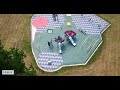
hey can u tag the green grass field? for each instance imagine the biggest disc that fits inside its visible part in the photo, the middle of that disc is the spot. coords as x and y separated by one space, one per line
15 32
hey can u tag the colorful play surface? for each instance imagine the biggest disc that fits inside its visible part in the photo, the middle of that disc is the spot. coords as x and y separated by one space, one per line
88 28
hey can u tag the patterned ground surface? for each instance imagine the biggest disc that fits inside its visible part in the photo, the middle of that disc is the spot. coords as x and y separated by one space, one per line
86 43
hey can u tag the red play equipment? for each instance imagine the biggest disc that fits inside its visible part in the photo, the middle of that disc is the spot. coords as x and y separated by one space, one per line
70 33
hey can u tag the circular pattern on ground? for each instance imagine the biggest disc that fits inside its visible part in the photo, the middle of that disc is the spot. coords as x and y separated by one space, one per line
40 22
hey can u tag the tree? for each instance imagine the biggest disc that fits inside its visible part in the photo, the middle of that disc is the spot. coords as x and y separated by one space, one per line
13 60
30 71
16 60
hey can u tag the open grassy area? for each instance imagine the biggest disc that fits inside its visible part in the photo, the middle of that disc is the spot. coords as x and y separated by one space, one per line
15 32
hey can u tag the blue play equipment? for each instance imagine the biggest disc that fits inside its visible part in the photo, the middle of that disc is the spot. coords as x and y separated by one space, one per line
72 41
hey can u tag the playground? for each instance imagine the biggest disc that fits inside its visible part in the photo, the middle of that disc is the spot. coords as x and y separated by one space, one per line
87 39
15 32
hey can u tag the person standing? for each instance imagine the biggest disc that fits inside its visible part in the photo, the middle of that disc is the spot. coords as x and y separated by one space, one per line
48 43
55 17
